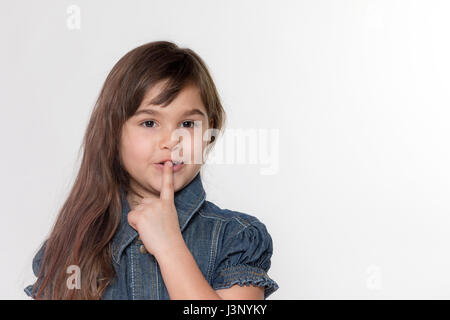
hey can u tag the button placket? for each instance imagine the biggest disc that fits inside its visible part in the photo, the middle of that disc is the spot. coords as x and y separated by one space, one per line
142 249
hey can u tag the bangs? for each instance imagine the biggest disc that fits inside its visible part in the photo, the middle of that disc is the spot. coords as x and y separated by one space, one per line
176 74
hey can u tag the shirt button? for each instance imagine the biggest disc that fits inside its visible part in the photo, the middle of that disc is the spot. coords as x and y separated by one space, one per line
142 249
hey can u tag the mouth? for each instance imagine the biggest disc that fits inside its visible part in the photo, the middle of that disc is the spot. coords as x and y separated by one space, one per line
177 165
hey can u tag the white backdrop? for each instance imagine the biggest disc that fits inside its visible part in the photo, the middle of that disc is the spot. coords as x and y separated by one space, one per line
358 91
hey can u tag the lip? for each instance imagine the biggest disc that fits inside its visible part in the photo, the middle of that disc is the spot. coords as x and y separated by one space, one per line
176 168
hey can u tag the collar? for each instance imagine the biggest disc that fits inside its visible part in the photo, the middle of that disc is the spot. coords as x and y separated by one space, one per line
187 201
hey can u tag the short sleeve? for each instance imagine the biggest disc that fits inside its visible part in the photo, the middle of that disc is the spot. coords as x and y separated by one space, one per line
244 259
36 265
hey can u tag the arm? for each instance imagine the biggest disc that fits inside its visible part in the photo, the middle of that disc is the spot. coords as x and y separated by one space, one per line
185 281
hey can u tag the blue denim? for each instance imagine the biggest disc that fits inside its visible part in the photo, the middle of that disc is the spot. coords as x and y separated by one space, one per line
229 247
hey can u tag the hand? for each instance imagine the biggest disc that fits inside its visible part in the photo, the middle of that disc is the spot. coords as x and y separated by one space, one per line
156 220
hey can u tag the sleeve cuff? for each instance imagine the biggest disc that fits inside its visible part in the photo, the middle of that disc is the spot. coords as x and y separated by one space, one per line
28 290
245 275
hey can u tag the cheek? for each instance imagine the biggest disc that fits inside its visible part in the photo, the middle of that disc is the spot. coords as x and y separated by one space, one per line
136 150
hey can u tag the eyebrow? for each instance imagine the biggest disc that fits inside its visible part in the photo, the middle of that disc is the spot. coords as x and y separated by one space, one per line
186 113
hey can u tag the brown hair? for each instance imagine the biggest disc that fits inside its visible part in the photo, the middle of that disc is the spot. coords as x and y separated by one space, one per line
89 217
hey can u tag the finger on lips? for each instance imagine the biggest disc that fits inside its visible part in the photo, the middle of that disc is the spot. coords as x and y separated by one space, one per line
167 182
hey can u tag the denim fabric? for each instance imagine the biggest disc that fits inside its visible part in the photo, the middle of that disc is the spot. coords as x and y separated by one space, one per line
229 247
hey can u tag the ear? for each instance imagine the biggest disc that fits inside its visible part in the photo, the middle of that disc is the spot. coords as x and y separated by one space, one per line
210 126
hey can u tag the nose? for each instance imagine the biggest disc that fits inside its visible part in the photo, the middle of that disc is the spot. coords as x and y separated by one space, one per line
168 140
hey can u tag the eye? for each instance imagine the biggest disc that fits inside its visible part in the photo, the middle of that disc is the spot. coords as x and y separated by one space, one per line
190 123
146 122
186 124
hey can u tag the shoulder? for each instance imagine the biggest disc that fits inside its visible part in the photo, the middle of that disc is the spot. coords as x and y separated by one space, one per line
234 221
235 224
36 264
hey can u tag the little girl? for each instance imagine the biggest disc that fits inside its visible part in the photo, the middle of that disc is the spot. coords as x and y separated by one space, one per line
136 224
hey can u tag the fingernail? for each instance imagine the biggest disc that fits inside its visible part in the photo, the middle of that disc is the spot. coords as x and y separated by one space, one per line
170 163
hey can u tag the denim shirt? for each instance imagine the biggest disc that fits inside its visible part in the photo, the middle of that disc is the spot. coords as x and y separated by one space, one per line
229 247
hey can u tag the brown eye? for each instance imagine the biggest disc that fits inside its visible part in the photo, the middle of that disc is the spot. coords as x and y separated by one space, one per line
146 122
191 124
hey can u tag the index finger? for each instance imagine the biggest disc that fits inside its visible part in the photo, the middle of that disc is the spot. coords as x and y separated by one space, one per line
167 182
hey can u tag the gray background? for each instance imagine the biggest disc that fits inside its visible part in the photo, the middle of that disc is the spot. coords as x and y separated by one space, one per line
357 89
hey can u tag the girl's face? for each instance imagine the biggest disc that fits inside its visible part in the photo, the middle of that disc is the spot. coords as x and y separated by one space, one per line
154 134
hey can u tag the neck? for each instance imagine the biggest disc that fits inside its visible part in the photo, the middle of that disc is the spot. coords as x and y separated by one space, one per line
133 201
134 198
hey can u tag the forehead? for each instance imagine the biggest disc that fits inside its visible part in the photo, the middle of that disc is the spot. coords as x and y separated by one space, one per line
187 99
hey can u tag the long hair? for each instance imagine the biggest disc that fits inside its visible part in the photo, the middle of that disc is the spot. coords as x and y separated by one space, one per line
89 217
